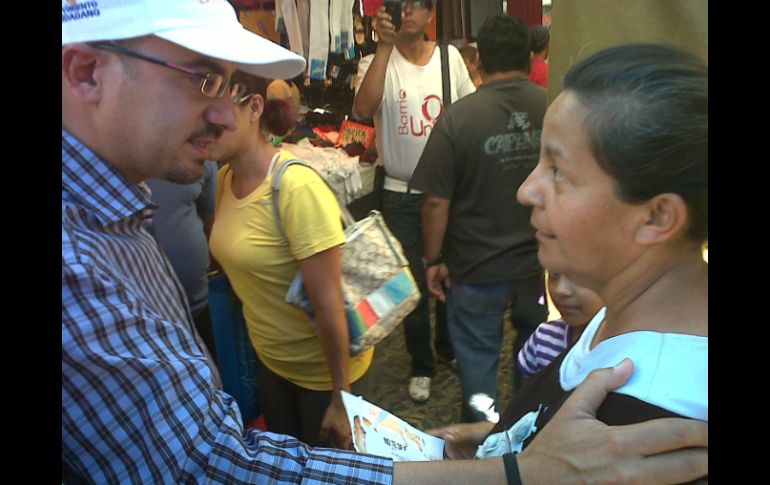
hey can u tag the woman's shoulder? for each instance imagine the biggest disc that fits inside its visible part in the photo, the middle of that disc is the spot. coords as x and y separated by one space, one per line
299 173
670 370
305 186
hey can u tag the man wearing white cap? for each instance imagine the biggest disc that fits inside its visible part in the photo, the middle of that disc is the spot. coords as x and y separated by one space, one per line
146 94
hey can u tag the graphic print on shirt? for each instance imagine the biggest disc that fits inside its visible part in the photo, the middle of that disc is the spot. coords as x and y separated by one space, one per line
409 124
515 147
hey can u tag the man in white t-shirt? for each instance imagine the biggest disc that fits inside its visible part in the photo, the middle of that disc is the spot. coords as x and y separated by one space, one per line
400 88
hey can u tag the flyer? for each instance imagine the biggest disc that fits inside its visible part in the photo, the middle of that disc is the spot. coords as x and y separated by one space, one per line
377 432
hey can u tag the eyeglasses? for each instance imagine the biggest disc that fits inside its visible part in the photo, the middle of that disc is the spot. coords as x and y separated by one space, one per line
416 3
242 98
213 85
238 93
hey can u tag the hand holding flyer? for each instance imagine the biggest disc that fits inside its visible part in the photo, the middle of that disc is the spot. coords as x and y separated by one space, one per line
377 432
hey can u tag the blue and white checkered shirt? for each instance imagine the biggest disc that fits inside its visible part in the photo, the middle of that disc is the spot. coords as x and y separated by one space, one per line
140 402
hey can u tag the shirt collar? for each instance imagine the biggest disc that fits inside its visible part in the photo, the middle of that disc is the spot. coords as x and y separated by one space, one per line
98 186
503 82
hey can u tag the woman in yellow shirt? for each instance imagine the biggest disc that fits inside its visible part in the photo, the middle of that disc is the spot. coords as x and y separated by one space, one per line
302 371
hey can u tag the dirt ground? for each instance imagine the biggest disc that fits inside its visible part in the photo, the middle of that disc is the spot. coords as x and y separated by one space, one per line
390 378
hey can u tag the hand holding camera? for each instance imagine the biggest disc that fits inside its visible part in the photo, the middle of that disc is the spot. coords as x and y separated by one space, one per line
388 22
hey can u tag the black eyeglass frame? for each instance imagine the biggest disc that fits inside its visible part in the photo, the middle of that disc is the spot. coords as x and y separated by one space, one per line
220 82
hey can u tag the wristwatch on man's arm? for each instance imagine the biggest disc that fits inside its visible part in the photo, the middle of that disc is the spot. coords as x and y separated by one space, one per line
427 263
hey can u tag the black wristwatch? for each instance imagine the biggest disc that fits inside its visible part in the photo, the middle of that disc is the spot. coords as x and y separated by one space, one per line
427 263
511 469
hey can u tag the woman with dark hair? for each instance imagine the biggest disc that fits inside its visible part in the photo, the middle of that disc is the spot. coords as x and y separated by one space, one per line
620 206
302 371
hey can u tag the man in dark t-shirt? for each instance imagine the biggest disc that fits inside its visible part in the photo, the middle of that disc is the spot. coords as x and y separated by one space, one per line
482 148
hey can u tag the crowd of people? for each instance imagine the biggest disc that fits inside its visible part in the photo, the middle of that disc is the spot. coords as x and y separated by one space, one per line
476 234
399 87
606 189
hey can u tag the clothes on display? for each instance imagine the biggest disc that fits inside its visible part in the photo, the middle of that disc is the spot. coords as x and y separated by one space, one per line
335 16
319 39
303 11
341 27
324 32
341 171
286 12
347 30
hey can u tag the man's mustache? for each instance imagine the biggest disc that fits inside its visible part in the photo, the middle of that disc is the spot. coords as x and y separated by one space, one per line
209 132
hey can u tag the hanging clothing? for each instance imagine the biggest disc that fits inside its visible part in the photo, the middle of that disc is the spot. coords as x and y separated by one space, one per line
347 30
303 12
319 39
335 17
341 27
286 11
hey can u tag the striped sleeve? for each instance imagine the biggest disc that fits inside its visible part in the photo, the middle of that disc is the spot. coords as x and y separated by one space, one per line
544 345
526 357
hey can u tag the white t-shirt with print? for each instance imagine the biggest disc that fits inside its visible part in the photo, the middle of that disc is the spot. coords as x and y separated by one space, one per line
411 103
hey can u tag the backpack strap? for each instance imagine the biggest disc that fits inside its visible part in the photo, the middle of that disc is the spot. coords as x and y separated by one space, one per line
445 80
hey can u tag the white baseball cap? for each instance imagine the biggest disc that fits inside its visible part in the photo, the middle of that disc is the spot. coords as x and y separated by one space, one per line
209 27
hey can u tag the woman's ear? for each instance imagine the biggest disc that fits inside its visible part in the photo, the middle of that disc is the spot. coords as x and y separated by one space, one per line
667 216
82 70
257 106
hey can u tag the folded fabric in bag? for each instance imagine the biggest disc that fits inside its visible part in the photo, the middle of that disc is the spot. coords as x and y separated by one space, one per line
378 288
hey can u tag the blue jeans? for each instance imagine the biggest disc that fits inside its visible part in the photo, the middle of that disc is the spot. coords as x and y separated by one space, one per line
475 314
402 215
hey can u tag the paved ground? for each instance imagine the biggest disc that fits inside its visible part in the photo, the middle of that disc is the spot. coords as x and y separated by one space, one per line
390 377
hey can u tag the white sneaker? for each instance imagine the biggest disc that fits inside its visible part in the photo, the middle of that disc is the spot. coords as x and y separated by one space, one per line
419 388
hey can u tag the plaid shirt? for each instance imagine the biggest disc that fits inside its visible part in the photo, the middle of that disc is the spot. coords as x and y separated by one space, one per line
140 401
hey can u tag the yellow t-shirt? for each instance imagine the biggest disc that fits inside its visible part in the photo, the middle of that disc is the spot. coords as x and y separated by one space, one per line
260 265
